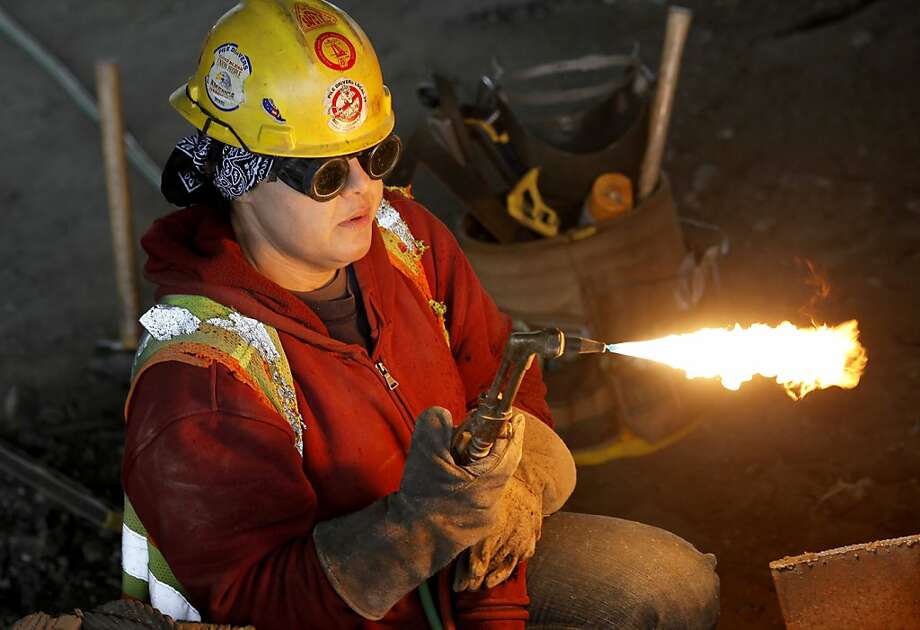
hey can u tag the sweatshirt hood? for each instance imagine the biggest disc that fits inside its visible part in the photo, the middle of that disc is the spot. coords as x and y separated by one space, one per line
194 251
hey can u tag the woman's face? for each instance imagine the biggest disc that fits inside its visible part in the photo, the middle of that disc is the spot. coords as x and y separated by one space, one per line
320 236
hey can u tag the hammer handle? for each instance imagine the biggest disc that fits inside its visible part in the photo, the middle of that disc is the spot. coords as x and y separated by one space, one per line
108 80
674 38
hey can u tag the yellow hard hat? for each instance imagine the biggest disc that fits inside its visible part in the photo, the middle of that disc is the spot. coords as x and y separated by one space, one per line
291 79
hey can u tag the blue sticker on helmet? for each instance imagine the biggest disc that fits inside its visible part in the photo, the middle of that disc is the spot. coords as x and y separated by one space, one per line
272 110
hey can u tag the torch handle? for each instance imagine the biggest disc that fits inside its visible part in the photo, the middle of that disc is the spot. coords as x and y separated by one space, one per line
474 438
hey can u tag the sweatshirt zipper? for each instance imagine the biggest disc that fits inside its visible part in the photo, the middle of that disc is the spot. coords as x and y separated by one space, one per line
392 383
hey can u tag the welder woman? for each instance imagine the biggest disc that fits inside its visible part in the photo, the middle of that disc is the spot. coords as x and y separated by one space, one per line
316 338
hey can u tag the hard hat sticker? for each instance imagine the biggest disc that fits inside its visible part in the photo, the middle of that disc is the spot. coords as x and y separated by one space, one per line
346 105
224 83
272 110
310 18
335 51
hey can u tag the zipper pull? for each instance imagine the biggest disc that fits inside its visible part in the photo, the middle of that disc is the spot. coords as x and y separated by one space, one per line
392 383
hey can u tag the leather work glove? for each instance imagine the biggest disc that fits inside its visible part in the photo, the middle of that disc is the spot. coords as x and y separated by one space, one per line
375 556
540 486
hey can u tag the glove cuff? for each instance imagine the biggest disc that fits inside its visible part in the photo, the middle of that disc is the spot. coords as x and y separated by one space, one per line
374 557
547 467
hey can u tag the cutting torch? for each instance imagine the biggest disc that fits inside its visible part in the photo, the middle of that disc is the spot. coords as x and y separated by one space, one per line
491 419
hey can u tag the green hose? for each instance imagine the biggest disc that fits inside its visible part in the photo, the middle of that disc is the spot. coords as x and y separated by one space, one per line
431 610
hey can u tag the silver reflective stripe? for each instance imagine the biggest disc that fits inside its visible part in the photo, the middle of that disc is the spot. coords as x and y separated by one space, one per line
164 322
252 331
170 602
133 553
389 218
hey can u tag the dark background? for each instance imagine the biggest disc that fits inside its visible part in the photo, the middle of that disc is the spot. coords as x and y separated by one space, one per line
795 130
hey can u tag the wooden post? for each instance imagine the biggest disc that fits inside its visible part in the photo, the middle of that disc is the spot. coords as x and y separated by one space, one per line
108 85
674 38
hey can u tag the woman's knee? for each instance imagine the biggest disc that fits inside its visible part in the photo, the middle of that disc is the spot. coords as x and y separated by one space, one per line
674 585
685 592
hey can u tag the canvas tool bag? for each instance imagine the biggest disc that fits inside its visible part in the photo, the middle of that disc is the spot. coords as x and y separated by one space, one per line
633 277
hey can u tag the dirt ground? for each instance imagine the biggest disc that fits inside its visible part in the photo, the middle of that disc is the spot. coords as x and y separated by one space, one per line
795 130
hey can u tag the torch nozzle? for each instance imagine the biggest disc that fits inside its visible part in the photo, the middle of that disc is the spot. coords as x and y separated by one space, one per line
581 345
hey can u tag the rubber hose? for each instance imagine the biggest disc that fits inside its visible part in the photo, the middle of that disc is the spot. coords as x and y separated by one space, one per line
444 592
428 605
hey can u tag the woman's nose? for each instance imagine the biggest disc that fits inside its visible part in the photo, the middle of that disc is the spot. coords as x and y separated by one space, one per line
358 180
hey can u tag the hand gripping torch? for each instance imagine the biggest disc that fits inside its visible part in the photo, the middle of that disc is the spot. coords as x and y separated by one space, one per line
491 419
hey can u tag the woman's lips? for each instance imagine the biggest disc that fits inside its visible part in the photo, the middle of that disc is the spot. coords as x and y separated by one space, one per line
357 220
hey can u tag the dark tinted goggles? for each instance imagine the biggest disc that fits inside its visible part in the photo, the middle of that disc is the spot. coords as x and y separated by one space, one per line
324 178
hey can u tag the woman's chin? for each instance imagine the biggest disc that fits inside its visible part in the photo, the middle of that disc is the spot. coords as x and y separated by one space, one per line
354 248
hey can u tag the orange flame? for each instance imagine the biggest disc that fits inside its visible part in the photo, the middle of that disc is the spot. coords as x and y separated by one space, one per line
819 284
800 359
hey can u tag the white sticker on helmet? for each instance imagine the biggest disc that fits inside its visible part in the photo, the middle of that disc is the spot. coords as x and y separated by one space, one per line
224 83
346 105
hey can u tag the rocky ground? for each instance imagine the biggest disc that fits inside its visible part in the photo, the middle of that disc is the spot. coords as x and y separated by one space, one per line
795 130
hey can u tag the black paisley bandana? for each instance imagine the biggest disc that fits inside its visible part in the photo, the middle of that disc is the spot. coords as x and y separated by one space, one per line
199 166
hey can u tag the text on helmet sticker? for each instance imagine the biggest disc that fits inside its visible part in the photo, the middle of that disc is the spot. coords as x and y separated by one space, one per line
346 105
224 83
335 51
272 110
310 18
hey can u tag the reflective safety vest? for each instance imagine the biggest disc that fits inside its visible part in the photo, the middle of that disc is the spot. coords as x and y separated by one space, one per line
197 330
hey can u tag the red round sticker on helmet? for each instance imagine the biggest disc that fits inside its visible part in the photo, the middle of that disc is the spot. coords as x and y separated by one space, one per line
335 51
347 105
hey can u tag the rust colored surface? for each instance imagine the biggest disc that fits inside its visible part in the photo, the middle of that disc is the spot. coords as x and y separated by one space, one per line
873 586
122 614
41 621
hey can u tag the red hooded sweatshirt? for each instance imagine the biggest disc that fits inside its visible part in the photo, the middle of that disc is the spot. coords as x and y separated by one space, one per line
212 472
